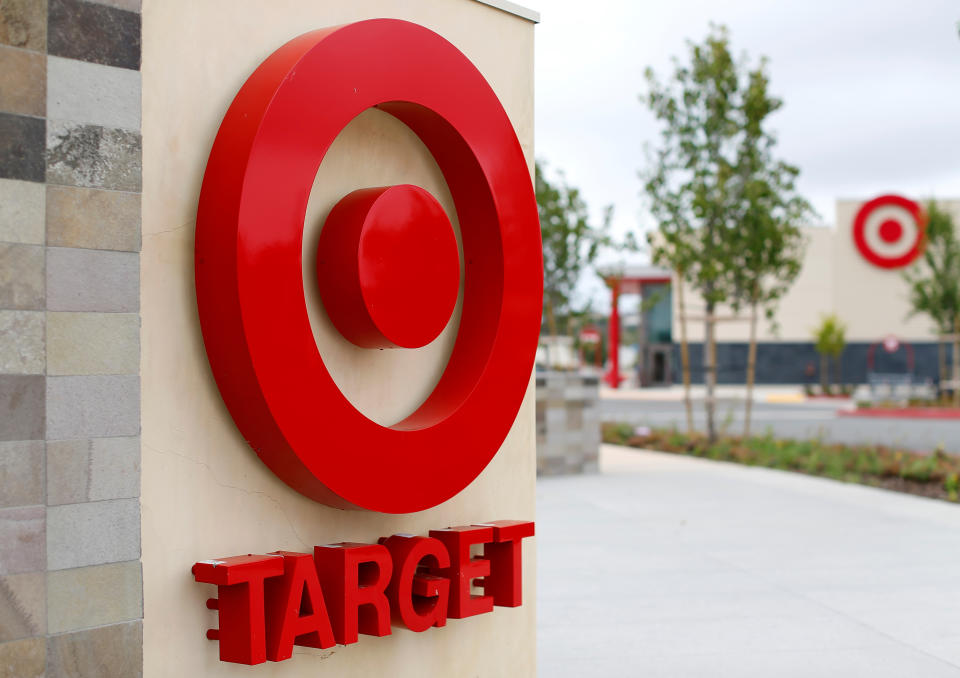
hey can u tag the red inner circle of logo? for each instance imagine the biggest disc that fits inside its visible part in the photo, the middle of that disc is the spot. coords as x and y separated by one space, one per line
890 231
388 267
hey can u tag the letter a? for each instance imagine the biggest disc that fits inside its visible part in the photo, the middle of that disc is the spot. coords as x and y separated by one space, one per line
296 613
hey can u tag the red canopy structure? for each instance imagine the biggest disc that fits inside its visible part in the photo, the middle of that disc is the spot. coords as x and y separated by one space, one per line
629 280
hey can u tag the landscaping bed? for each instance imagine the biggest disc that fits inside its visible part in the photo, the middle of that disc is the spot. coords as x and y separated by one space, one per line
935 475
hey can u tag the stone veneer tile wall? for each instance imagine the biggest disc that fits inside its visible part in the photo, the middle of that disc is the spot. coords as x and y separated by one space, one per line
568 423
70 577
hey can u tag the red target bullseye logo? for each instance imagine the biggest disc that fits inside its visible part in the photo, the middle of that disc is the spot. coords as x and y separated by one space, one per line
889 231
387 261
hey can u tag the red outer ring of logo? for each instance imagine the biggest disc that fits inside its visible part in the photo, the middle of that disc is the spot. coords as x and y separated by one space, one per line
860 224
249 266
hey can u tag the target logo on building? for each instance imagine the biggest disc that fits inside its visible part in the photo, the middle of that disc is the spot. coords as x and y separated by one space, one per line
388 266
889 231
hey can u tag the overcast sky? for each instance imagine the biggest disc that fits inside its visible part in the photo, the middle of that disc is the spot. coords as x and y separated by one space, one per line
871 91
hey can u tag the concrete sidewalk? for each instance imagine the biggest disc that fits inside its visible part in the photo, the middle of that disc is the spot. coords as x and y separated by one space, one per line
679 567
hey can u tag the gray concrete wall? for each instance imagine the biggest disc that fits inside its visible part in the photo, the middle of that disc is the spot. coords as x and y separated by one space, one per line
568 423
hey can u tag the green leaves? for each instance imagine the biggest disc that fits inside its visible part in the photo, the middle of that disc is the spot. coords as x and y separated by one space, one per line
935 278
727 210
570 244
830 336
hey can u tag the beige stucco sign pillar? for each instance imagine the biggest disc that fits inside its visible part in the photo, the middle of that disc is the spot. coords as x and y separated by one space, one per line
205 493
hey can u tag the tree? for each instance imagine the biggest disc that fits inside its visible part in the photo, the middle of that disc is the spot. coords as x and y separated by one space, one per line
768 249
829 340
689 184
716 190
673 247
935 285
570 244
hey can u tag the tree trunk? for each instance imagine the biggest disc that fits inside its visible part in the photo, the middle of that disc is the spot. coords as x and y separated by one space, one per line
956 361
710 371
751 370
684 353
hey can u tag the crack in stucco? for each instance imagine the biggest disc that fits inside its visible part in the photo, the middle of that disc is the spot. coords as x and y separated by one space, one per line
245 490
153 234
325 655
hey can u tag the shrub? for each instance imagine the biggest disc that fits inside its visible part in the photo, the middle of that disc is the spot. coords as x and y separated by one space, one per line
952 485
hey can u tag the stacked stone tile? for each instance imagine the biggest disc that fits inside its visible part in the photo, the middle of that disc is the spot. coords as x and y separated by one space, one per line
568 423
70 577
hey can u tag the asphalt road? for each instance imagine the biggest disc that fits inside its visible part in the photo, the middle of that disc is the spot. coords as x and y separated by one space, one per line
793 421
